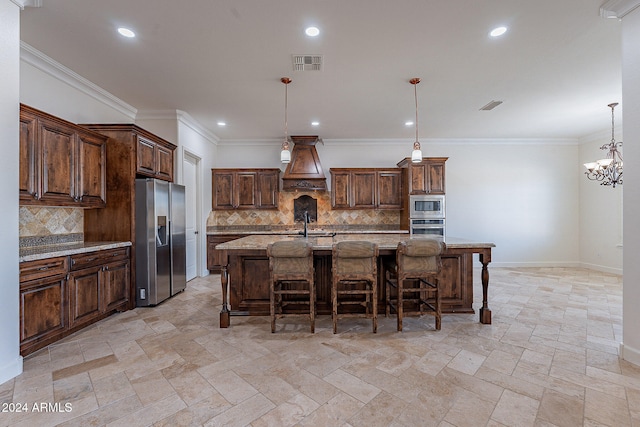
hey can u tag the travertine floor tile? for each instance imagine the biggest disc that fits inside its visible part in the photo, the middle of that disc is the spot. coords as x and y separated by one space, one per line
550 359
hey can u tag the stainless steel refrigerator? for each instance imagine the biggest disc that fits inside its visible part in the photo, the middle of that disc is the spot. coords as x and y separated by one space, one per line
160 241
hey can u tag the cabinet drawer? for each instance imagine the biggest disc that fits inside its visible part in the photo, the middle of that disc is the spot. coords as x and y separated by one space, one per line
90 259
31 270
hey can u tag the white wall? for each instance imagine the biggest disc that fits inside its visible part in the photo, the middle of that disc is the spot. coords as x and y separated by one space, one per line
600 208
10 360
201 145
521 195
630 348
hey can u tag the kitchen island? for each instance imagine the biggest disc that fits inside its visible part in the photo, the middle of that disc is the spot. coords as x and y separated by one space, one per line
245 276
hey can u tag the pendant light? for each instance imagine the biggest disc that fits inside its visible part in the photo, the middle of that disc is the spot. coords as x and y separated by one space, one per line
285 154
608 170
416 154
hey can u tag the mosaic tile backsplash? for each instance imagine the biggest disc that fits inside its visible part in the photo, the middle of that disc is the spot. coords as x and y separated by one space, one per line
284 214
46 221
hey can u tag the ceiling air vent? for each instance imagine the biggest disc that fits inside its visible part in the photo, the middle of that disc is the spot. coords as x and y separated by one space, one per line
307 62
490 106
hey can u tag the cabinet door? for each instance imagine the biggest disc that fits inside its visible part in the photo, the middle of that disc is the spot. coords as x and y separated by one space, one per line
116 286
389 190
92 173
418 178
42 310
29 162
84 295
164 163
268 189
364 189
146 160
340 189
223 190
246 190
435 177
58 162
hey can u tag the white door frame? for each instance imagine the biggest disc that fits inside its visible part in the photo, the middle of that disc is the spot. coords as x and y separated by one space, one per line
195 159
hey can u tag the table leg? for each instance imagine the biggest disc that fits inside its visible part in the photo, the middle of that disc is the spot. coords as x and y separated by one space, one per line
225 314
485 312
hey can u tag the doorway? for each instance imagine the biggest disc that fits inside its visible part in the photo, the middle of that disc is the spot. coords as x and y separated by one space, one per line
190 178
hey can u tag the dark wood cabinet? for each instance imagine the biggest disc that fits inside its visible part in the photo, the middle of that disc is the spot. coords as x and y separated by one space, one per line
154 158
214 256
61 164
366 188
131 152
43 302
245 188
425 177
84 295
60 295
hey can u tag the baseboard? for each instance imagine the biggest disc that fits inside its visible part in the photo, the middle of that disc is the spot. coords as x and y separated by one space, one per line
546 264
11 370
631 355
601 268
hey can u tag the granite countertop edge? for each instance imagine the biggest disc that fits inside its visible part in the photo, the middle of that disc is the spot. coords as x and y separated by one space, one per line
293 232
35 253
384 241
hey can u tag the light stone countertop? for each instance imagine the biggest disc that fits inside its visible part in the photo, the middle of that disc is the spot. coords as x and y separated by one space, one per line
34 253
296 231
384 241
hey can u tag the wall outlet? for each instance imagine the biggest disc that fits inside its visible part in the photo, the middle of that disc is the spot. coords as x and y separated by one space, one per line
143 294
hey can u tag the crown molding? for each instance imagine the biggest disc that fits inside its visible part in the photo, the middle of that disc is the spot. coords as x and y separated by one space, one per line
27 3
181 117
618 8
186 119
39 60
409 141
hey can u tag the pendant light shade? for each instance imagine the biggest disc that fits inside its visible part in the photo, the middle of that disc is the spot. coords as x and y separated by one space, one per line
285 154
416 154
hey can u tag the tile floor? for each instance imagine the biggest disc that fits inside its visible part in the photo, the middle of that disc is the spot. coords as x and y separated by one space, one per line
550 358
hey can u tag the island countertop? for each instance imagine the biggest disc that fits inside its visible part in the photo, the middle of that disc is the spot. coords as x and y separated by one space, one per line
384 241
245 272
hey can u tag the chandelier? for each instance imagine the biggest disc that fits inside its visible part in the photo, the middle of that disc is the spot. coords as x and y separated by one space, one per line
285 154
416 154
608 170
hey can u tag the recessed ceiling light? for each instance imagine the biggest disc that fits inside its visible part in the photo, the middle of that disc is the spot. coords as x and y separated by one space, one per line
498 31
408 123
126 32
312 31
222 124
315 123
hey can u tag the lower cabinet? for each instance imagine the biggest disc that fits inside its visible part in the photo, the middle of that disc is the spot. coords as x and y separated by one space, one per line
60 295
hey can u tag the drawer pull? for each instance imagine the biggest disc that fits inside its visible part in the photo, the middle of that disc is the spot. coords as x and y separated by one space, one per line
43 268
91 259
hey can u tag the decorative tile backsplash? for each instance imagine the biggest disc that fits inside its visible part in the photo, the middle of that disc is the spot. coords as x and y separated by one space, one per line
285 212
45 221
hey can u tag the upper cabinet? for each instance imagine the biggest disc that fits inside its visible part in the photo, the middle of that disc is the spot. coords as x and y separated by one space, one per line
61 164
153 155
154 159
425 177
245 188
366 188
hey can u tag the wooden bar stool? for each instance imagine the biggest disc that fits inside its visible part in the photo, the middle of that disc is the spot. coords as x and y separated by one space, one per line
354 280
291 280
414 277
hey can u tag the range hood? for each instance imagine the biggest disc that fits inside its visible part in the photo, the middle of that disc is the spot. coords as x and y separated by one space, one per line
304 172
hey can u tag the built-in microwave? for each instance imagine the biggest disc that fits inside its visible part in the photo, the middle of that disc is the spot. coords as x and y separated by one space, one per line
426 206
428 226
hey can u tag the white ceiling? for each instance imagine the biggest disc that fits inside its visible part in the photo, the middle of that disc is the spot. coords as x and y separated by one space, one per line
556 69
